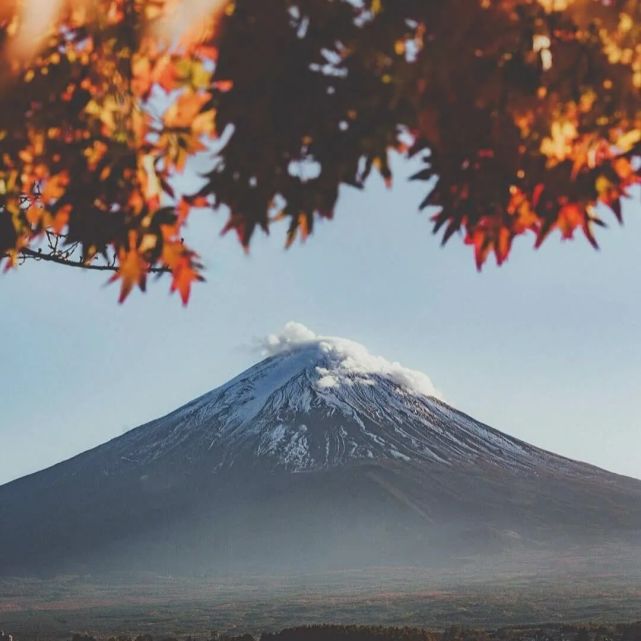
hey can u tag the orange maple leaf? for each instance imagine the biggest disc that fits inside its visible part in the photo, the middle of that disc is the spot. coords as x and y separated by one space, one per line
569 218
132 271
184 274
184 111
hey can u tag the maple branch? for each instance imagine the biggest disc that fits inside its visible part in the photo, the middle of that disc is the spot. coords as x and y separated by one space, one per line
54 258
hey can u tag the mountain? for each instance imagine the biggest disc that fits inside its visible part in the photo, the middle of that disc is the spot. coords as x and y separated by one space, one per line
320 456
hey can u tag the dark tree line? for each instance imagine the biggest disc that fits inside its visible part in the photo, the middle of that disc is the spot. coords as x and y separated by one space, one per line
590 632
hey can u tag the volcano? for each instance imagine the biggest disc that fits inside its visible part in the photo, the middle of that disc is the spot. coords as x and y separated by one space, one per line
320 456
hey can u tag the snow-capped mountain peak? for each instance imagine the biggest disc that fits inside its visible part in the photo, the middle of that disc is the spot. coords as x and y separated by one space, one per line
317 402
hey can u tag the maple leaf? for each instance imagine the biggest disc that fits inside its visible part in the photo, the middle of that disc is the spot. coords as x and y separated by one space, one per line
183 275
132 271
183 112
570 217
489 236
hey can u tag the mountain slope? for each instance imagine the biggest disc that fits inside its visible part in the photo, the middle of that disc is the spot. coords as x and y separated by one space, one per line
318 456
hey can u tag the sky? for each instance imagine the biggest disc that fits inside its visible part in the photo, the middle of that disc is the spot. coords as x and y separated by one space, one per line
546 348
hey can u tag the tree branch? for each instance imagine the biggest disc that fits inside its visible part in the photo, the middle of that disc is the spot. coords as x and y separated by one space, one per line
53 258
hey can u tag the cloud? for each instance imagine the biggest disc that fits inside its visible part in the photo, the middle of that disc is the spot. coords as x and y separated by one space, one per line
344 361
292 334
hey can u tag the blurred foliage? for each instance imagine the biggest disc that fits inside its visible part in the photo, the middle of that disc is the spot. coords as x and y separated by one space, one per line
525 115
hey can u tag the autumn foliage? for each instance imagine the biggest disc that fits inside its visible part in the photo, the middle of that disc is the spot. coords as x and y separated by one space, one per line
526 116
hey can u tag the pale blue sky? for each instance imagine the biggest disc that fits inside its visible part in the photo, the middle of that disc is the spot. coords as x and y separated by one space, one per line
547 348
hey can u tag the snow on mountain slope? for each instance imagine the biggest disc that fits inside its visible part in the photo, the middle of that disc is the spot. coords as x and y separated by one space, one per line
317 402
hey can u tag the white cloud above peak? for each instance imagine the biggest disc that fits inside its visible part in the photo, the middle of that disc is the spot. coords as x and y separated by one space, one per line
345 360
